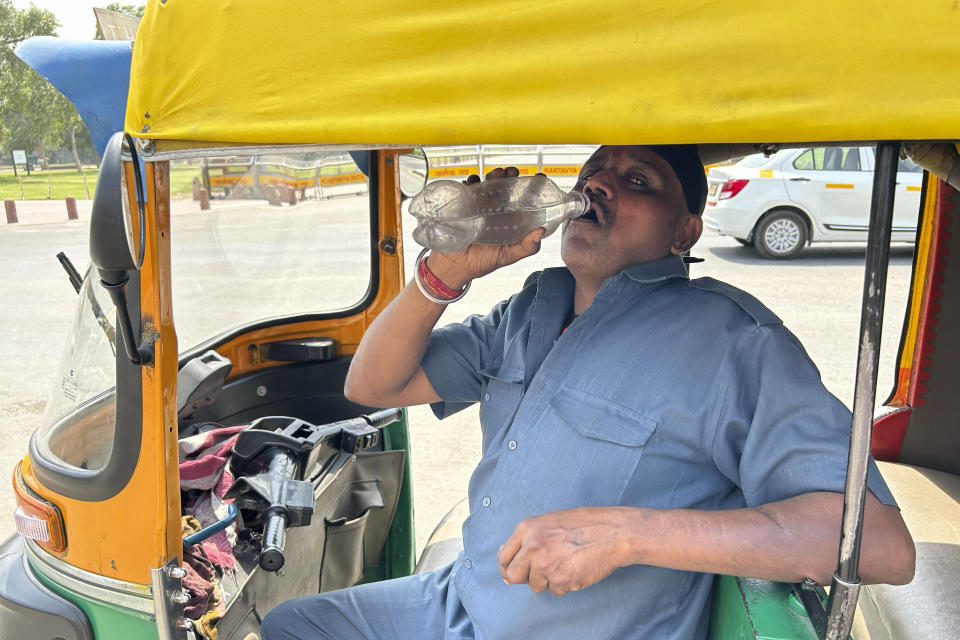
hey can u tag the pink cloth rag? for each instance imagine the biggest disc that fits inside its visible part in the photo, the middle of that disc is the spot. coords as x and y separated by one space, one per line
203 468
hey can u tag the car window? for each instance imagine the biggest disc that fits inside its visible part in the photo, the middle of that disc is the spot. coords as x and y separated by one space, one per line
829 159
804 161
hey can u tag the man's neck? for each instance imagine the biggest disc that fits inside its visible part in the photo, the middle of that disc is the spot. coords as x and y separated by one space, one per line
583 295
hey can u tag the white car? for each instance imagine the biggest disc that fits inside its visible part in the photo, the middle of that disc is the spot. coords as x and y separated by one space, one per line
780 203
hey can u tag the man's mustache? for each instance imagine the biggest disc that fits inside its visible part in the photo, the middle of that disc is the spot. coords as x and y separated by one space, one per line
607 214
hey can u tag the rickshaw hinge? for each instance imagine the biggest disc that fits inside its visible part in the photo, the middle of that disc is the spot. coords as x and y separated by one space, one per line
165 582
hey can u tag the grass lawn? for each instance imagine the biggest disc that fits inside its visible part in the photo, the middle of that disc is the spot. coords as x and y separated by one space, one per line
181 179
54 184
57 184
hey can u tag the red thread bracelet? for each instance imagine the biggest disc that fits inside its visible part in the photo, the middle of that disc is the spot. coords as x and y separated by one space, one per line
432 286
434 282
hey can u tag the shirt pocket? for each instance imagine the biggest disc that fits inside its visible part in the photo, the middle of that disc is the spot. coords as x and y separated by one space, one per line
501 393
586 450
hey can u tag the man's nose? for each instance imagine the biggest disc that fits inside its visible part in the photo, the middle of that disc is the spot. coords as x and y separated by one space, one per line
599 185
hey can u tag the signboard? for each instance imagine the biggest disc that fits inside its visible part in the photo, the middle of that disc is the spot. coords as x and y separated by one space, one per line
19 156
116 26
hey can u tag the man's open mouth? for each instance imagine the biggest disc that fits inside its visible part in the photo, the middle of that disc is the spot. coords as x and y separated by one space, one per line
592 215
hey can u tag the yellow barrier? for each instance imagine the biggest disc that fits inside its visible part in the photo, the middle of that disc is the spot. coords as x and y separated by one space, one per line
525 170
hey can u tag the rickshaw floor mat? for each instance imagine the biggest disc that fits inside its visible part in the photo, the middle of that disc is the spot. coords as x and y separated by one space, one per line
928 607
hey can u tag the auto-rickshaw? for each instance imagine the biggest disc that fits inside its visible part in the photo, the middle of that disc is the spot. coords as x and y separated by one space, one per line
320 497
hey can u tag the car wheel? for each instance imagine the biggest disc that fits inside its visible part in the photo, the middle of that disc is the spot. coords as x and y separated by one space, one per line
782 234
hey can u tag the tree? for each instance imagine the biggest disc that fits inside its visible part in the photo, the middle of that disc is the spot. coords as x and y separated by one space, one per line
132 10
18 84
34 115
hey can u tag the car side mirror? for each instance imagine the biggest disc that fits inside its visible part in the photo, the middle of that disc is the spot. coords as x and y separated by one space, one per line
413 169
112 248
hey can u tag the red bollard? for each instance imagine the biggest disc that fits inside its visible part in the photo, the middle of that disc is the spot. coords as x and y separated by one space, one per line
72 208
204 200
11 208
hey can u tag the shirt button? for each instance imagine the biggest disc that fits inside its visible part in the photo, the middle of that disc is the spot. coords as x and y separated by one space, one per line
485 502
487 397
468 564
512 445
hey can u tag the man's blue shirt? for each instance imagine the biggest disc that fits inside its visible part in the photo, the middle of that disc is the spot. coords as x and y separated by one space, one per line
665 393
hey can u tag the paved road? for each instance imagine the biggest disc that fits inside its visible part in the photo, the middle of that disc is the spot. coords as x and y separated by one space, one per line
817 295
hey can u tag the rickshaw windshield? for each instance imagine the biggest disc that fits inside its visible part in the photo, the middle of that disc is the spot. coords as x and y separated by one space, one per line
284 235
78 425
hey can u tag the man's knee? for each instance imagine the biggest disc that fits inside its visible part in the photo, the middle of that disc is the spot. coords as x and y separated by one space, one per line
300 619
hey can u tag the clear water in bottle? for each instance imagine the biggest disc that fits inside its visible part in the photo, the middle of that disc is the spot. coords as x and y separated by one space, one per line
452 215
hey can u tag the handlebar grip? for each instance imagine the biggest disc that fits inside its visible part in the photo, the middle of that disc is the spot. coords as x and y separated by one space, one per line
382 418
274 537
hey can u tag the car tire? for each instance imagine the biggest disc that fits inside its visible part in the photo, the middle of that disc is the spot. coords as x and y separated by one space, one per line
781 234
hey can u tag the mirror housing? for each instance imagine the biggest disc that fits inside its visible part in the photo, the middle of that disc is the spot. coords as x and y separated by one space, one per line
112 248
413 170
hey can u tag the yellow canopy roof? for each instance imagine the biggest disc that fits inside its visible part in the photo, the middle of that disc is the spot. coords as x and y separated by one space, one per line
560 71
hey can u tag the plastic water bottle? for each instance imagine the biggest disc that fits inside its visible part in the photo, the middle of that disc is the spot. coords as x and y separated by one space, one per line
452 215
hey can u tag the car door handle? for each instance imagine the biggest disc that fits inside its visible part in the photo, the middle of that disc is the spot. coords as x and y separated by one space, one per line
799 179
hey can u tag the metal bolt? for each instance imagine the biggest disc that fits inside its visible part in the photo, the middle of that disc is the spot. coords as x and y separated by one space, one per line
389 245
177 573
180 597
146 146
261 391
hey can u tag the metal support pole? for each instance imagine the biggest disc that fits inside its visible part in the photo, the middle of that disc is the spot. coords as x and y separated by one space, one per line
846 581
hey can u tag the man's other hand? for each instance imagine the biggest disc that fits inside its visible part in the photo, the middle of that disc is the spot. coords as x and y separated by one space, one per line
563 551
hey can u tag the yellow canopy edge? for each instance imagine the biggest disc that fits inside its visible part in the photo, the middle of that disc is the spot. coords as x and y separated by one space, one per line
560 71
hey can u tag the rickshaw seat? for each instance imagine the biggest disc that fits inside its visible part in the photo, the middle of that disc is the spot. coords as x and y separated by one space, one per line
928 607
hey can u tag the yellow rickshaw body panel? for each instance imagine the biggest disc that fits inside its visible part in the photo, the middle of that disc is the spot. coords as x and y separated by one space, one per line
567 71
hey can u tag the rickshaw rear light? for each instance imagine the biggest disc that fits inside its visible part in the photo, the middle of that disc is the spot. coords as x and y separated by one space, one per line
36 518
731 188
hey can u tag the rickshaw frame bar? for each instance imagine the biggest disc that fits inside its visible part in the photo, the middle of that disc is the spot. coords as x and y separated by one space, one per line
845 587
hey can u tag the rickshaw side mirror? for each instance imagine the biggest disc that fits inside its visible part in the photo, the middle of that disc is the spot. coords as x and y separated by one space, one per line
112 247
413 169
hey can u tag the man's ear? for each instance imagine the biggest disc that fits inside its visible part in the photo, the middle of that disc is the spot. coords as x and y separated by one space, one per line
687 234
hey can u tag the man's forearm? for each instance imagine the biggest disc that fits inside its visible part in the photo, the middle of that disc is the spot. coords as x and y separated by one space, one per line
787 541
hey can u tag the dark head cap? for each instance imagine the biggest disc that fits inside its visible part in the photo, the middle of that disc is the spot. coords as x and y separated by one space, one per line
686 164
